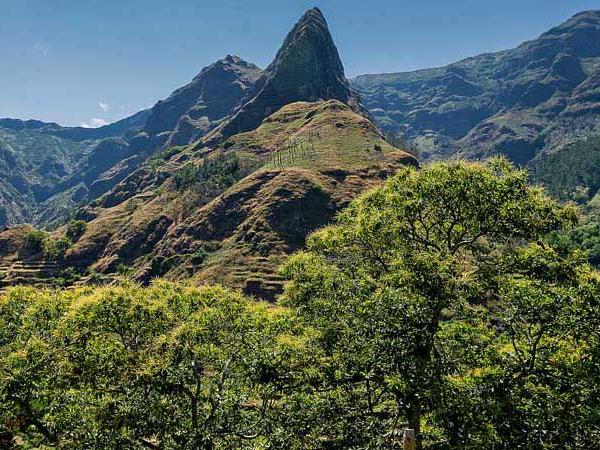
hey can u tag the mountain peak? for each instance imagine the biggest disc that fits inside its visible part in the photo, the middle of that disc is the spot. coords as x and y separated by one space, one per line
584 22
193 109
307 67
589 15
311 33
313 16
234 60
315 11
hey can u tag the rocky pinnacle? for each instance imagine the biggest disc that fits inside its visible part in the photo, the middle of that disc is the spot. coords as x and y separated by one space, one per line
307 67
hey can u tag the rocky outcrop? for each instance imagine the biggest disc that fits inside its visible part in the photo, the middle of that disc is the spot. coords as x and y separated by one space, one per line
307 67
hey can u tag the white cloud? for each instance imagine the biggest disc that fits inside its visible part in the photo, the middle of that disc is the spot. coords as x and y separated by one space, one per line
103 106
94 123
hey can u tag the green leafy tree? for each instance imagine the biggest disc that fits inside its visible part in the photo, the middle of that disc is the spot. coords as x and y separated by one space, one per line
34 242
75 229
382 284
435 302
523 365
129 367
54 250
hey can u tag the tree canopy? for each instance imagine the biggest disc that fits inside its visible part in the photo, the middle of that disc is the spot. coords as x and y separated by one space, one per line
441 308
435 302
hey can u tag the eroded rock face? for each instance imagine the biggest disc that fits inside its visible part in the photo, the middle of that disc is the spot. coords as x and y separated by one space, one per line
307 67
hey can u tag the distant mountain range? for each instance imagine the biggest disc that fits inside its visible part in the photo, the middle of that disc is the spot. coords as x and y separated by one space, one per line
223 179
523 102
519 102
44 167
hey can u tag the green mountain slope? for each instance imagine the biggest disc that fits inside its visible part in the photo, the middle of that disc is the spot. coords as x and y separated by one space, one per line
49 170
31 165
573 172
232 213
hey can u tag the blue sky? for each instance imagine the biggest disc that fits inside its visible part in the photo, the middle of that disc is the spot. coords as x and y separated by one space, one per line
93 61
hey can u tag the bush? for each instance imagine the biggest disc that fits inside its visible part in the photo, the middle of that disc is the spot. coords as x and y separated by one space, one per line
215 173
54 250
199 256
76 229
34 242
39 242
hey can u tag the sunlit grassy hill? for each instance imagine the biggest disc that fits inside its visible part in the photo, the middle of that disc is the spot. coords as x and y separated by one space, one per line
230 214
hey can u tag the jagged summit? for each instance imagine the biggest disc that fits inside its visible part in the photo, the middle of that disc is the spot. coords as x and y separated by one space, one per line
312 26
307 67
234 59
191 110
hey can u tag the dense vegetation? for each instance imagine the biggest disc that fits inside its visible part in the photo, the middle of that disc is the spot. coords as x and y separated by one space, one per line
434 302
585 236
218 172
573 173
38 243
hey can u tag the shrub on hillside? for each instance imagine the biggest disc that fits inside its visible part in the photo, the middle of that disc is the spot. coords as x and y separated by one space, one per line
34 242
75 229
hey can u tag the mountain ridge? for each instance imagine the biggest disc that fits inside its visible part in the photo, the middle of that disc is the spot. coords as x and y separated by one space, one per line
99 158
521 102
514 101
231 211
78 133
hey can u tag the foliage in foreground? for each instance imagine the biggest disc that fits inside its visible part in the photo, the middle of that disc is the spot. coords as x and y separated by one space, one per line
586 236
438 305
434 302
130 367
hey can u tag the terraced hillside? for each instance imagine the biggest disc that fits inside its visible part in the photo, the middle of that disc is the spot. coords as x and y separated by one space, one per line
19 265
231 214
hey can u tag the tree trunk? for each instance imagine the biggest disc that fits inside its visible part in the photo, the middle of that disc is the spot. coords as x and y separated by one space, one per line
409 440
414 421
